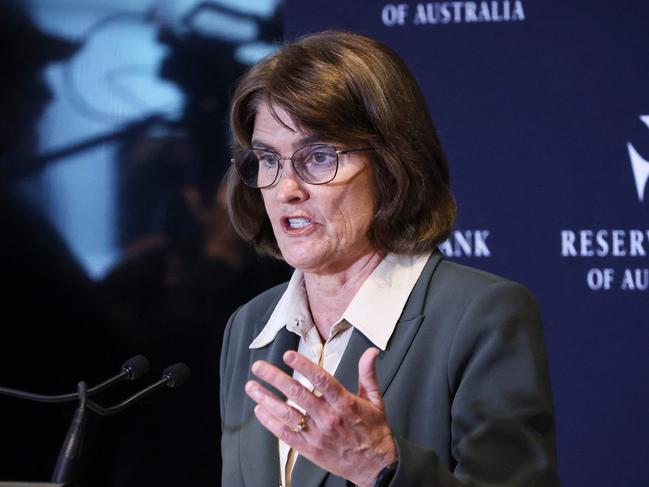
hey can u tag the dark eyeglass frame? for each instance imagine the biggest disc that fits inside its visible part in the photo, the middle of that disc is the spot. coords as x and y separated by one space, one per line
338 152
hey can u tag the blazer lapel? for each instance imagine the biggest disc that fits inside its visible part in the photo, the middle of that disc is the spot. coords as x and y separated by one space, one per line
259 452
306 473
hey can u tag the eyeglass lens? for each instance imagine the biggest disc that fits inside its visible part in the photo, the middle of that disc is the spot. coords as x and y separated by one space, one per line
314 164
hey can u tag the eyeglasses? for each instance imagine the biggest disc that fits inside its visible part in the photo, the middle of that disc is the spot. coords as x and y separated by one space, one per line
314 164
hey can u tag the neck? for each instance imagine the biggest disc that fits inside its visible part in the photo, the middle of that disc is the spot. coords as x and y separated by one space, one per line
330 294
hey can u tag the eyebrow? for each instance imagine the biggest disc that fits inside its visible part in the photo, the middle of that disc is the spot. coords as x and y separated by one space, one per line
309 139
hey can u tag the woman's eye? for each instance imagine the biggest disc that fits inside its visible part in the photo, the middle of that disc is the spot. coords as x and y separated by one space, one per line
322 158
267 160
319 157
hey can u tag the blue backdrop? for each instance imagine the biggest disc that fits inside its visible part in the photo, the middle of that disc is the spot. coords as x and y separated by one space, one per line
543 110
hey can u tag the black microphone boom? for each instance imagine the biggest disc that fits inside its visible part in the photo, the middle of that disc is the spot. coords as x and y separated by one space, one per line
173 376
132 369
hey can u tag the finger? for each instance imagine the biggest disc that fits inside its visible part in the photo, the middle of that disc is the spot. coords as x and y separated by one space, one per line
294 439
325 383
368 384
288 386
280 409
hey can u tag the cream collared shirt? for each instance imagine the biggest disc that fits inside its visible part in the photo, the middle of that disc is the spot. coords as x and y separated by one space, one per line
374 312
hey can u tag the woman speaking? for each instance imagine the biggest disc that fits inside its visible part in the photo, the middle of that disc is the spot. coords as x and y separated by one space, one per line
378 363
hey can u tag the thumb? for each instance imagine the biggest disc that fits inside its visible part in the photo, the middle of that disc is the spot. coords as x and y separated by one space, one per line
368 386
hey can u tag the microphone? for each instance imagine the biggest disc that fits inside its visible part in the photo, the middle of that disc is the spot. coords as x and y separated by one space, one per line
173 376
132 369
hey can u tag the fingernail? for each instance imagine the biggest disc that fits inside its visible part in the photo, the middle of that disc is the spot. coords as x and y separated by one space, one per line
256 367
289 357
252 390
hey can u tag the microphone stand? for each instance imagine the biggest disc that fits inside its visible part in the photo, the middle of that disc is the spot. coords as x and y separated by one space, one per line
68 460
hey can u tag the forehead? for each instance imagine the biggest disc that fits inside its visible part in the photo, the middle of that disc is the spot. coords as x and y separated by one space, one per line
274 128
273 122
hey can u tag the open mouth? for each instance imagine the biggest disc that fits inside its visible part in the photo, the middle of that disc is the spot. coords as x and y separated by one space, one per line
296 223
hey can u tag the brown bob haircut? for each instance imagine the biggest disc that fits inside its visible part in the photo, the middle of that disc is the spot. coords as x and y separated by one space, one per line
350 89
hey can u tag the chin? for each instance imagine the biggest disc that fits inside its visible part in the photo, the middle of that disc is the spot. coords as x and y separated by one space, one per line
301 263
304 259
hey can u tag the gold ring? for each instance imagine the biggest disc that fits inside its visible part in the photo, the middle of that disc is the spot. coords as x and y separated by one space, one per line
300 426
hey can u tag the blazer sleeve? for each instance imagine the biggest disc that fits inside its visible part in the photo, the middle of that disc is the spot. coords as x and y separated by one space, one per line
502 427
224 375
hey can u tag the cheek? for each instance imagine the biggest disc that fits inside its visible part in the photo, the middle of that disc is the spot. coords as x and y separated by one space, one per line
354 214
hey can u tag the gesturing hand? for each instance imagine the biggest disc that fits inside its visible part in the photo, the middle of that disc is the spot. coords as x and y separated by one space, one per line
346 434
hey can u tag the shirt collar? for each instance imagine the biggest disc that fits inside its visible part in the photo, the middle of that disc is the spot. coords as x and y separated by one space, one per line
374 311
379 302
291 312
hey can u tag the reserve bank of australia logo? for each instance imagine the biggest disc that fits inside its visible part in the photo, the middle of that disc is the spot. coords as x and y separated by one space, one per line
639 165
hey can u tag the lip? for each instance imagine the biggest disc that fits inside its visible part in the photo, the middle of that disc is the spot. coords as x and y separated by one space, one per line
302 231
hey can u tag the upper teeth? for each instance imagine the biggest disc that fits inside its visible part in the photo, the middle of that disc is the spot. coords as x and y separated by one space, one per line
298 222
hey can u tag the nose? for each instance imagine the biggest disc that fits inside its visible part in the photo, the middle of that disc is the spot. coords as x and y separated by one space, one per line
290 188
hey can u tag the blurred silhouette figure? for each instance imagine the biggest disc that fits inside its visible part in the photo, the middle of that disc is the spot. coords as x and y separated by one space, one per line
55 328
184 269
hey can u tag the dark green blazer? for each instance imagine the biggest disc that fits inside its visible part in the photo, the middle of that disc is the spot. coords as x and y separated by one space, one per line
464 378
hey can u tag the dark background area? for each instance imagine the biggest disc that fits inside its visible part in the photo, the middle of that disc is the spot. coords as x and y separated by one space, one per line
178 270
